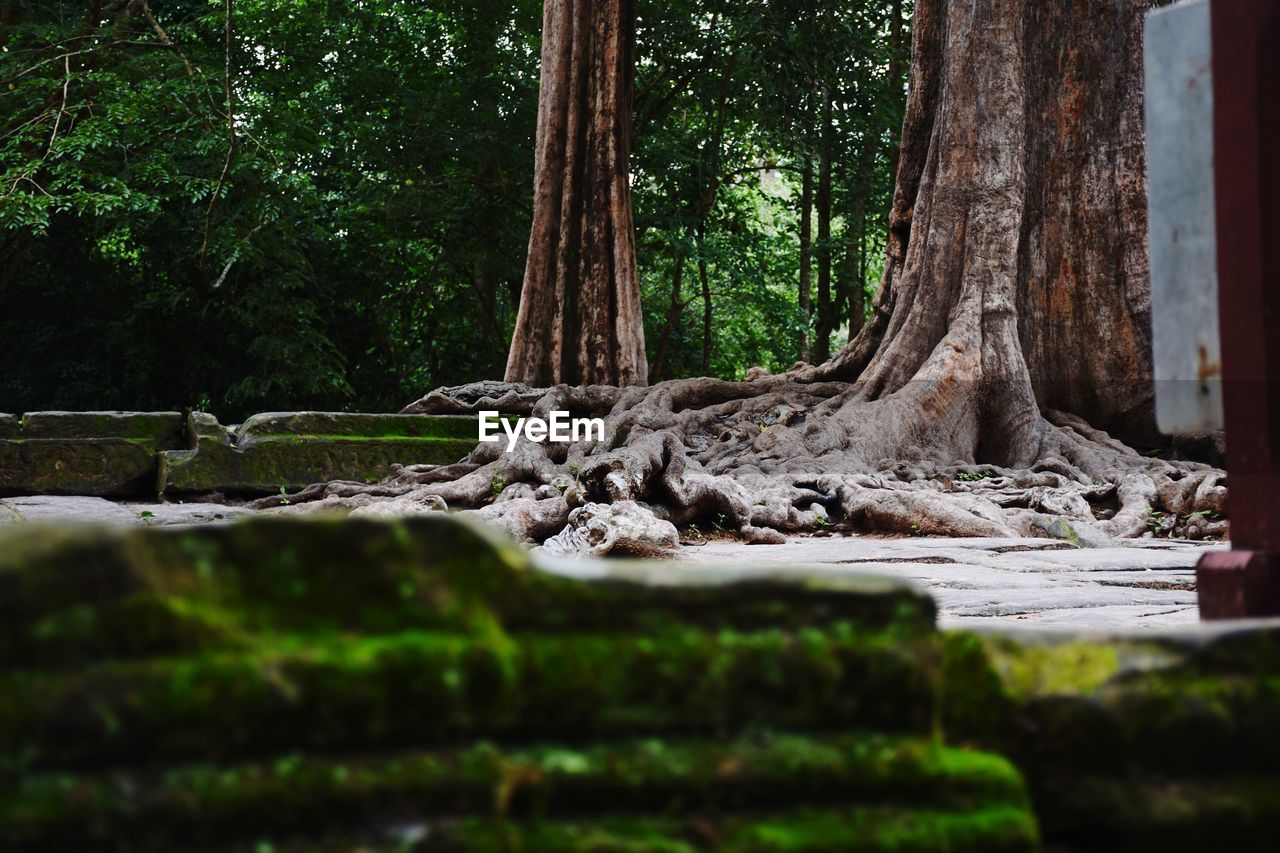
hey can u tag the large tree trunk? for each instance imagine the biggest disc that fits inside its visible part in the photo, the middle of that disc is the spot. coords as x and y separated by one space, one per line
580 320
1017 249
1011 320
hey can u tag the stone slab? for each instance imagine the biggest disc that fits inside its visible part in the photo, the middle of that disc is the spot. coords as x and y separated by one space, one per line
290 463
10 426
76 509
1142 585
362 426
100 466
162 429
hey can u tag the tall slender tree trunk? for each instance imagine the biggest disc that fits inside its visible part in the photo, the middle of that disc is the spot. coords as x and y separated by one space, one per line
895 73
580 320
674 310
855 299
857 230
705 281
826 311
806 240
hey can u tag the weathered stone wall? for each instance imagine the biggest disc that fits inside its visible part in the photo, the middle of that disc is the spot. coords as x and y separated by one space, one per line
117 454
327 685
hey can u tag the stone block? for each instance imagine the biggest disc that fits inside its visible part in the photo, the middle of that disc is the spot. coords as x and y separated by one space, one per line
162 430
103 466
354 425
86 453
1161 742
275 451
10 426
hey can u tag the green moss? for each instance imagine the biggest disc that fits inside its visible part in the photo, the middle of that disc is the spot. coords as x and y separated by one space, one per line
1032 670
860 829
269 576
307 693
648 776
927 784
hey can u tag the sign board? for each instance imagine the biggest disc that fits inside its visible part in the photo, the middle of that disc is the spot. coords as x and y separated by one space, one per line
1180 218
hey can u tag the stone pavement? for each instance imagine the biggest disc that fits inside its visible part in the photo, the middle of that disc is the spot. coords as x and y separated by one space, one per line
102 511
997 583
1009 583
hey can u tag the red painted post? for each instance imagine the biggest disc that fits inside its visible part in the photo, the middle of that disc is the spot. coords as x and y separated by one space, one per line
1246 138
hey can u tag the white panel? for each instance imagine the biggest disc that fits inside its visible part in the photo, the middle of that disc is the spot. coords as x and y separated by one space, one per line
1184 276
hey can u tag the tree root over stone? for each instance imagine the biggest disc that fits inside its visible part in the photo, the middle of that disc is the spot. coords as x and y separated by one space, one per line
775 455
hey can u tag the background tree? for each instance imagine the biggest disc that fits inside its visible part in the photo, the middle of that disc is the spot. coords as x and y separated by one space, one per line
374 221
580 318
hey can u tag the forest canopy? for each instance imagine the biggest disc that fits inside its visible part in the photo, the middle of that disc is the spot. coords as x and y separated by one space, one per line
234 205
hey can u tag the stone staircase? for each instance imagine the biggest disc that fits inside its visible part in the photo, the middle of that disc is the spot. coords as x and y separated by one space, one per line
338 685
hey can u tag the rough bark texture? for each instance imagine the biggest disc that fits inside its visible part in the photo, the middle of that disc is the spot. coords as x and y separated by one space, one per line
580 320
1012 317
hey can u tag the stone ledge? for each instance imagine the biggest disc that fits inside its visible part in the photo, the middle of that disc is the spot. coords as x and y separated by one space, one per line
85 453
163 429
120 454
289 450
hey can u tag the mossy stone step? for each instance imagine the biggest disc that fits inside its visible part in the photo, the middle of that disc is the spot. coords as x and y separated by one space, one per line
73 597
297 793
305 664
423 688
161 430
271 425
1168 743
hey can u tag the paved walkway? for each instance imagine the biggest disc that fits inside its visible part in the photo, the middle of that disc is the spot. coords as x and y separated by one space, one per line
1006 583
997 583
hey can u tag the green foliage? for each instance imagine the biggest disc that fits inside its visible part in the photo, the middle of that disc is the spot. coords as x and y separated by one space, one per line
311 204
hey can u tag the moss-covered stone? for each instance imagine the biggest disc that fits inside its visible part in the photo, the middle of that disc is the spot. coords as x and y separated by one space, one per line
650 776
85 453
287 451
378 692
162 430
92 595
137 453
868 828
105 466
351 425
655 708
1156 743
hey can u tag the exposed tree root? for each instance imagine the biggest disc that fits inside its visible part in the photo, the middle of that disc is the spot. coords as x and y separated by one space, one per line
781 454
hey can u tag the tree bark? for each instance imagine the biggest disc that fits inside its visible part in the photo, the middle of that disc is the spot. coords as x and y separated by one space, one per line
806 239
1017 248
826 311
705 280
580 319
